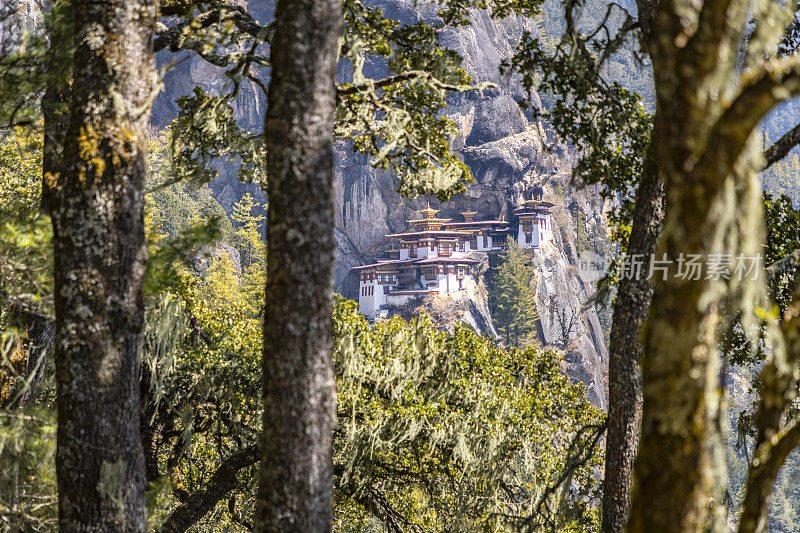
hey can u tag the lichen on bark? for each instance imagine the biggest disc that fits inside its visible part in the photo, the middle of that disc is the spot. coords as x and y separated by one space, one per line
96 203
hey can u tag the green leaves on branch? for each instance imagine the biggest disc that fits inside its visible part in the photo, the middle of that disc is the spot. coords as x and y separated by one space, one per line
205 135
398 125
26 281
448 432
35 53
396 120
436 431
418 408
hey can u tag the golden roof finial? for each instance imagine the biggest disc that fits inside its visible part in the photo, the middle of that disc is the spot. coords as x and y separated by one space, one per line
428 212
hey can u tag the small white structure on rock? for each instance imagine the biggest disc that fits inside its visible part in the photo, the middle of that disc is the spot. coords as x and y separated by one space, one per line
433 258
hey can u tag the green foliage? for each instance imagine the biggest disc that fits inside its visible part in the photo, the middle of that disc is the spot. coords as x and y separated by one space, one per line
221 285
33 54
203 365
173 209
418 409
27 476
782 222
581 231
181 219
782 240
20 173
25 233
437 432
590 107
253 252
247 235
27 439
606 120
396 120
206 134
513 297
448 432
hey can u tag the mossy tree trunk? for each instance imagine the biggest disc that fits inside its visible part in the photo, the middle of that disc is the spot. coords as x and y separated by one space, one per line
296 475
97 208
706 112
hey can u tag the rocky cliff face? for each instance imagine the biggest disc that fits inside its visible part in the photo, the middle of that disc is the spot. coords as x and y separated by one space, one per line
509 157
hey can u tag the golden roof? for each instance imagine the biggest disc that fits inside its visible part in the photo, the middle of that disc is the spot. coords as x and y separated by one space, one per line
428 212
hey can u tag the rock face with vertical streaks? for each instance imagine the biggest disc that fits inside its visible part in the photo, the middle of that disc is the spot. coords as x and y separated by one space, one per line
510 156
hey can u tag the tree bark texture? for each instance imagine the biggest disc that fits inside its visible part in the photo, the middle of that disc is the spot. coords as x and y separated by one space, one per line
631 309
782 147
705 155
296 480
97 208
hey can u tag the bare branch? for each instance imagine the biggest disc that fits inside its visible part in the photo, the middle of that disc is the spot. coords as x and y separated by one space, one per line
782 147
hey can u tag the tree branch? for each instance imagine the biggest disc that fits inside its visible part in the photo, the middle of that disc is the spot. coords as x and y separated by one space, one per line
367 85
221 483
768 459
762 90
773 443
782 147
719 24
782 266
220 13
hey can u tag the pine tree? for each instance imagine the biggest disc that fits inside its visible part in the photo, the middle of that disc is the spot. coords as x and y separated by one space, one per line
253 250
247 236
514 302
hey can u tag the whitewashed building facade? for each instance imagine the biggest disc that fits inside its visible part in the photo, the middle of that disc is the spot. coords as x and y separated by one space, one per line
433 258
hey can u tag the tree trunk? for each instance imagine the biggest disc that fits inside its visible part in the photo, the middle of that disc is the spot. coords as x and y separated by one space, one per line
631 309
296 480
704 155
97 209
